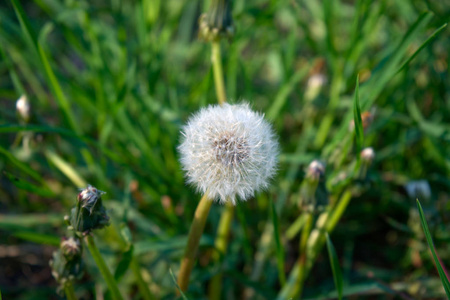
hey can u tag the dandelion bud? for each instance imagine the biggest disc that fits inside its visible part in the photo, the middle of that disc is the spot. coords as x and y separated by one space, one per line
89 213
23 108
228 151
308 200
71 248
367 155
66 262
316 169
217 22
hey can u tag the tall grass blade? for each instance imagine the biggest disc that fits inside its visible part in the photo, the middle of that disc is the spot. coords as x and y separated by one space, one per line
424 44
442 275
279 246
334 262
52 81
176 284
359 131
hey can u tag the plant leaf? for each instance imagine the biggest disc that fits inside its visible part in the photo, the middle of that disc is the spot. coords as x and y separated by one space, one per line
280 250
439 267
359 131
334 262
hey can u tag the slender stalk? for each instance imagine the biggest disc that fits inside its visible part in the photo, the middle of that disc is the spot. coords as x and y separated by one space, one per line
110 281
195 233
303 256
216 60
69 291
326 222
221 243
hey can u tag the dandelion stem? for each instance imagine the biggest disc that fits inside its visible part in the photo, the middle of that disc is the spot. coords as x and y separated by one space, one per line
216 60
110 281
195 233
326 222
221 243
69 291
303 255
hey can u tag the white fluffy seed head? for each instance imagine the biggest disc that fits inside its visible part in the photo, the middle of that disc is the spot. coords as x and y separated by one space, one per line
228 151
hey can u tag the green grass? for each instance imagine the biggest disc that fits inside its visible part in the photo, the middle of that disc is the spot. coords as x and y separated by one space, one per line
110 84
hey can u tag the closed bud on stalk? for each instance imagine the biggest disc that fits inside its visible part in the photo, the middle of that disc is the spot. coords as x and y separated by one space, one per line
316 170
66 262
367 156
314 174
217 23
71 248
89 213
228 151
23 108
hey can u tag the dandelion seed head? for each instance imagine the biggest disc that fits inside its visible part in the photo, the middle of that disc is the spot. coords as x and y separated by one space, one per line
228 151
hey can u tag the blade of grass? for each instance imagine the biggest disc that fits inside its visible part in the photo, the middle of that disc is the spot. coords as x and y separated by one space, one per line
442 275
52 81
279 246
28 186
424 44
359 132
334 262
65 168
176 284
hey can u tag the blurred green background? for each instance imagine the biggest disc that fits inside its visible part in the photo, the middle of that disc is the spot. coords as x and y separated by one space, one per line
110 84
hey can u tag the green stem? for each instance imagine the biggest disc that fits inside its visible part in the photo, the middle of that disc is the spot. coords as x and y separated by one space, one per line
195 233
326 222
216 60
69 291
110 281
303 256
221 243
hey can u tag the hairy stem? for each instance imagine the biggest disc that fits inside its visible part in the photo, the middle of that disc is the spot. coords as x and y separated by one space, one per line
106 273
216 60
195 233
302 259
221 243
69 291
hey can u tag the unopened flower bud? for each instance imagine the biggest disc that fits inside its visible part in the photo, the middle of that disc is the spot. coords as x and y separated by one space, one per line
66 262
367 155
70 248
23 108
308 198
89 197
89 213
217 22
316 170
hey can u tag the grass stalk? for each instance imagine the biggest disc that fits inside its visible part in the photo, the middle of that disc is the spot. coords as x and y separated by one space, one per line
69 291
221 244
303 256
195 233
106 273
216 60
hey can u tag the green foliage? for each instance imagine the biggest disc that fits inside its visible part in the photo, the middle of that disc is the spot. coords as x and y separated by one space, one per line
111 83
334 262
442 274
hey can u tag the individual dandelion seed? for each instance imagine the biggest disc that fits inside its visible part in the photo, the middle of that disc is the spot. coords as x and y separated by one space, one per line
228 151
